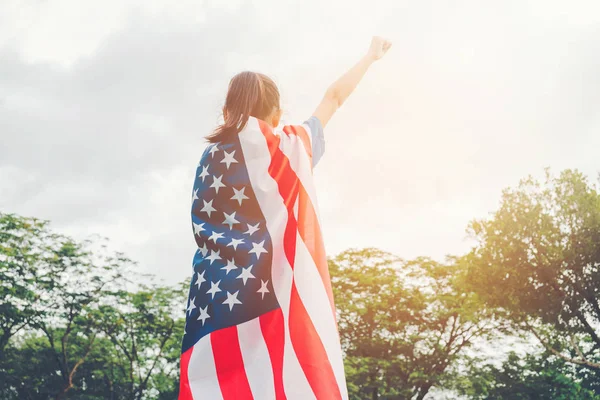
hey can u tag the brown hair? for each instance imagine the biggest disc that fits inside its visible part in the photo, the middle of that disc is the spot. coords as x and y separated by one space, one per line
249 94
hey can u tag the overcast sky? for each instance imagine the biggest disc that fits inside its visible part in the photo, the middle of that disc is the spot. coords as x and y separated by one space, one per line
104 106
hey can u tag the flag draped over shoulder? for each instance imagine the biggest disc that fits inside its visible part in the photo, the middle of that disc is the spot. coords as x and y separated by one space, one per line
260 319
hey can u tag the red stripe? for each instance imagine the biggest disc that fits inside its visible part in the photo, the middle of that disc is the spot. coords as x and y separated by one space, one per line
185 392
305 339
311 351
230 364
271 325
310 232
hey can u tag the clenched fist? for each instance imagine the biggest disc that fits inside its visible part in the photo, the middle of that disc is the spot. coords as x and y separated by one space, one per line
379 46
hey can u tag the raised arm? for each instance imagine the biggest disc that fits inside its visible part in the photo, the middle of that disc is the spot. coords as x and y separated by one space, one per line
339 91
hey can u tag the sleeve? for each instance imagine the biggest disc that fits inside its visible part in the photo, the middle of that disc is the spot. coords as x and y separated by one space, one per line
317 138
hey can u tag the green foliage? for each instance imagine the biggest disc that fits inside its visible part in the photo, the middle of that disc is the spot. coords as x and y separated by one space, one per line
540 377
402 324
32 260
71 329
28 370
538 260
147 339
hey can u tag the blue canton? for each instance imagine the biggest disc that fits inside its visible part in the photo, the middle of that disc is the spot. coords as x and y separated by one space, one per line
231 283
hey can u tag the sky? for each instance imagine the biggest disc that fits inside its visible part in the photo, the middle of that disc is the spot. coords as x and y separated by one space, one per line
104 107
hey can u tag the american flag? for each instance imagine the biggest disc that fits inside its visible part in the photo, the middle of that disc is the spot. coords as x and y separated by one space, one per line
260 317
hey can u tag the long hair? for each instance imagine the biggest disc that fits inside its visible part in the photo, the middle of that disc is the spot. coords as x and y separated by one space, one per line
249 94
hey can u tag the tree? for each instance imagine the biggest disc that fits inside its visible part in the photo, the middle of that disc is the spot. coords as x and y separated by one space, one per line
87 336
28 370
532 377
31 259
67 313
538 260
147 338
402 324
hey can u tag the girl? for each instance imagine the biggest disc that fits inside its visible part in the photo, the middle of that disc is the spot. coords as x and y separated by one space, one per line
260 318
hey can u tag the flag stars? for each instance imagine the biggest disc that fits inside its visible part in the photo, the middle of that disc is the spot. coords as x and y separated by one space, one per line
195 195
228 159
214 289
246 274
232 300
208 208
217 184
198 228
203 250
191 306
230 266
200 279
204 172
263 288
230 220
214 255
215 236
239 195
235 242
213 150
203 314
252 229
258 249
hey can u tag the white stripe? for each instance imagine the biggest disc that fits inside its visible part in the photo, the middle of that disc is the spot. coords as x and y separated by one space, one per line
258 159
294 150
314 297
256 360
202 373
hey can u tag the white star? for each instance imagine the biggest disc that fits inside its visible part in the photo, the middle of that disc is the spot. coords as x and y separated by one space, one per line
235 242
252 228
217 183
214 288
230 265
198 228
258 248
208 208
214 255
203 314
230 220
232 300
204 172
239 195
228 159
191 306
246 274
200 279
204 250
215 236
195 196
263 288
212 151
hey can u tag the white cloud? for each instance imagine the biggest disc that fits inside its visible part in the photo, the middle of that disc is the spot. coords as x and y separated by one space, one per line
103 109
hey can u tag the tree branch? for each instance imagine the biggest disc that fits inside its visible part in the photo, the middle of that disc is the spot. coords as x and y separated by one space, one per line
581 361
166 337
